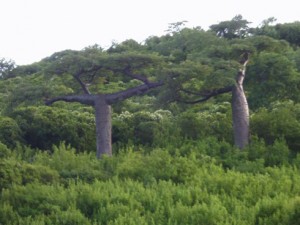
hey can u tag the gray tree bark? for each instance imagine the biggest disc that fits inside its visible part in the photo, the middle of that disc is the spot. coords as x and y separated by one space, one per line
103 126
240 111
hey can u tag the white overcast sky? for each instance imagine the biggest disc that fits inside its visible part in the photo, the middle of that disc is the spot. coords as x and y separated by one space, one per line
34 29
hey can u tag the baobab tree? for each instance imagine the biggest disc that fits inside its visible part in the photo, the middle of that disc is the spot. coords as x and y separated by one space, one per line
239 104
107 68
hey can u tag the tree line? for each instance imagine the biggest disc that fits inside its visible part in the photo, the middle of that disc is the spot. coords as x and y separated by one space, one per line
185 67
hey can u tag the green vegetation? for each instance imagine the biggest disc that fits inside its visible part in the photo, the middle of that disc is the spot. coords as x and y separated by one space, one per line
172 162
175 185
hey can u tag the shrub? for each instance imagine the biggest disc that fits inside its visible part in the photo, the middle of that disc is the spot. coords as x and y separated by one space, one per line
38 173
183 186
37 199
143 128
4 151
7 214
45 126
190 126
277 154
281 121
69 217
10 132
213 122
278 210
10 173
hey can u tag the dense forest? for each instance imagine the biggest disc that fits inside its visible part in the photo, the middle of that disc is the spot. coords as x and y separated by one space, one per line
192 127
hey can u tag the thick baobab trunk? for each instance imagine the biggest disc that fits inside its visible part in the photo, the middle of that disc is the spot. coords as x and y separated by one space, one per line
103 126
240 111
240 117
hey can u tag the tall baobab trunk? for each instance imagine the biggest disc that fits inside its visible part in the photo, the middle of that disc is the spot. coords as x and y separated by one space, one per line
103 126
240 110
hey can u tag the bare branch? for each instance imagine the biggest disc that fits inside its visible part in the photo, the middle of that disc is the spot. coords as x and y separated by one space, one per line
135 76
121 95
209 95
196 101
202 93
84 87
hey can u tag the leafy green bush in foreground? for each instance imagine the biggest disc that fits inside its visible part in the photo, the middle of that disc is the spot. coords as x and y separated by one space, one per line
171 186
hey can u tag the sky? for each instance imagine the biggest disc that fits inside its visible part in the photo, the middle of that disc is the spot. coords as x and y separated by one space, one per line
34 29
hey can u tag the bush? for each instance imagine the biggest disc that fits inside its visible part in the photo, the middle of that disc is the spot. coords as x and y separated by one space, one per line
71 166
278 210
190 126
215 122
38 173
12 172
4 151
162 186
143 128
45 126
10 132
282 120
277 154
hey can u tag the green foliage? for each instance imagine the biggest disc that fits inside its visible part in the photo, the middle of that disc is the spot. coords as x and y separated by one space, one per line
146 188
10 132
4 151
125 46
289 32
286 31
30 90
280 121
235 28
143 127
45 126
268 44
68 164
274 76
277 154
15 173
6 67
266 28
9 174
27 70
213 122
278 210
190 126
103 72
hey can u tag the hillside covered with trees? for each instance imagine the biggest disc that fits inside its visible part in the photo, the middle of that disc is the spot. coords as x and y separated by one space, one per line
192 127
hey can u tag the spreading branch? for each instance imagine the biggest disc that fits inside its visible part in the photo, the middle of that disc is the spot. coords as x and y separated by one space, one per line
77 76
90 99
202 93
129 73
209 95
83 85
83 99
121 95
